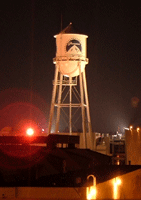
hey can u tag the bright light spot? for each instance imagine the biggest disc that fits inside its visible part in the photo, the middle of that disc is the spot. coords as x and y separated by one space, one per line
118 162
43 129
91 193
131 127
30 131
138 129
117 182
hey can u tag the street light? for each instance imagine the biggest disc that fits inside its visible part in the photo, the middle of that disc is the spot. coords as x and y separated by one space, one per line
91 191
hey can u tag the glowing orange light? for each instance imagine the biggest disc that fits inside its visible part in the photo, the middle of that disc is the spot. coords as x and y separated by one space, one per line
138 129
117 182
91 193
131 127
30 131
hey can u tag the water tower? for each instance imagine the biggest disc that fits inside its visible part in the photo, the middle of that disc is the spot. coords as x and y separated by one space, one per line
70 97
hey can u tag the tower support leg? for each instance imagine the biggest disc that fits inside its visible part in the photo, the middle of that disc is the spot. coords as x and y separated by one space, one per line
53 98
88 111
63 96
82 107
58 104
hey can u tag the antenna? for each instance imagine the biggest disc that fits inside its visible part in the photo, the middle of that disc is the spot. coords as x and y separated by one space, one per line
61 21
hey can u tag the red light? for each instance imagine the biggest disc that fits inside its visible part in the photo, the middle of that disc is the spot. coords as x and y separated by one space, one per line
30 131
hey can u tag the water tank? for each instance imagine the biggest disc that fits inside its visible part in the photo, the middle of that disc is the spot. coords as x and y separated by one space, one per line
71 51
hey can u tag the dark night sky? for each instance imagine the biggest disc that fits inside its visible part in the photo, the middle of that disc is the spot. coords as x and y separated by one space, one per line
27 48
